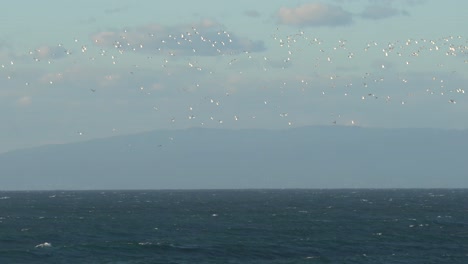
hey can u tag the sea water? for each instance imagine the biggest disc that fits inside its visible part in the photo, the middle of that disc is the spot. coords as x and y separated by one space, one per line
235 226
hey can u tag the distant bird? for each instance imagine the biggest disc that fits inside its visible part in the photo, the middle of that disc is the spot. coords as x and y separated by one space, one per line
93 90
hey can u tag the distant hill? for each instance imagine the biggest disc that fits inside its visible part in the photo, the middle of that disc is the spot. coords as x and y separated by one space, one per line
198 158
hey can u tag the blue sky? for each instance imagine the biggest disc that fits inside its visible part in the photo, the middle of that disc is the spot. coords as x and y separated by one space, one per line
73 71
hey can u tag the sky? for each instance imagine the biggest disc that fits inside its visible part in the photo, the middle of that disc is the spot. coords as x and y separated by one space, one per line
77 70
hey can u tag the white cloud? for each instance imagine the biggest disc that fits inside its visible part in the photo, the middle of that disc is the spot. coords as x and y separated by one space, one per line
204 38
252 13
382 9
116 10
49 52
24 101
380 12
157 86
314 14
51 77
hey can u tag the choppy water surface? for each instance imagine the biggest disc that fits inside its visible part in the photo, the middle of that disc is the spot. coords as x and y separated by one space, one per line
235 226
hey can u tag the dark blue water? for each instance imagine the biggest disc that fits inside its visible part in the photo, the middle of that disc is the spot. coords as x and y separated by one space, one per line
235 226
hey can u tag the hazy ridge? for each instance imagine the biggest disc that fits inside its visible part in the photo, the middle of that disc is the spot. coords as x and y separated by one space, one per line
307 157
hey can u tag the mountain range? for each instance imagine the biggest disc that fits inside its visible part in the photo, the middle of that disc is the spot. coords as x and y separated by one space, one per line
205 158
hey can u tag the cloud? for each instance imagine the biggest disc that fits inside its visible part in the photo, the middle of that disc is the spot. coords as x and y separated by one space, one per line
313 15
6 50
205 38
4 44
376 12
24 101
252 13
49 52
88 20
415 2
116 10
386 2
382 9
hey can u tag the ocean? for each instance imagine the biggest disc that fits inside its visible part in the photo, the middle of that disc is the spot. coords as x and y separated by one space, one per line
235 226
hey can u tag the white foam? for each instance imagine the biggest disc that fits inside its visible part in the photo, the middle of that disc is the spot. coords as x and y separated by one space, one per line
43 245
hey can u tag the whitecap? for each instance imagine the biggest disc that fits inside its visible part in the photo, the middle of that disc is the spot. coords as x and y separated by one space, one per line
44 245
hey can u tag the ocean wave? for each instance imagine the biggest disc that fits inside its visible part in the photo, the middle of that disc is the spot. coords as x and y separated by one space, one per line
44 245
